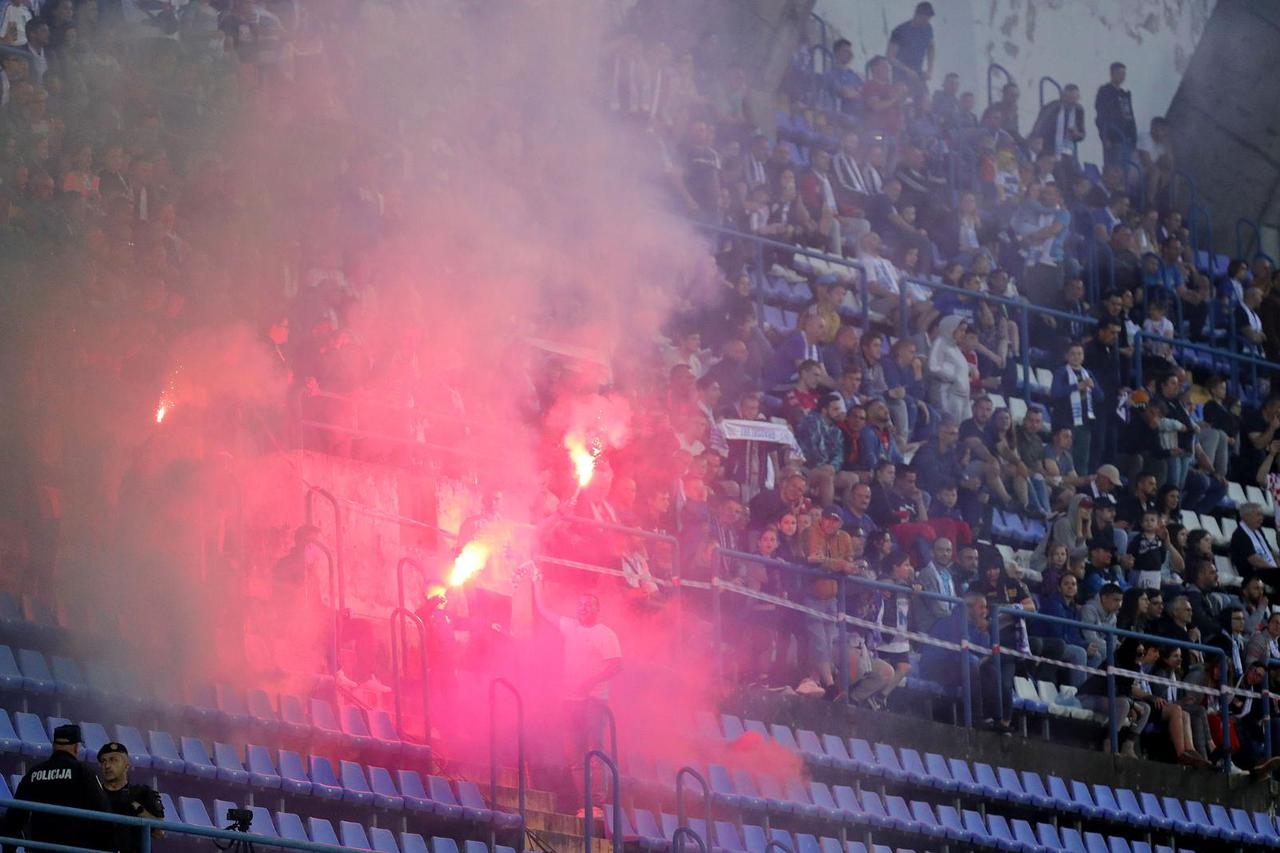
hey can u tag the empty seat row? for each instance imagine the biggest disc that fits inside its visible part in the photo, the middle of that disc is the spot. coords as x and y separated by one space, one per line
349 834
289 774
28 672
1140 810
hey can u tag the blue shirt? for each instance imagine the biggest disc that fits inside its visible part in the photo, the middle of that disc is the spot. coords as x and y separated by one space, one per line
1055 605
913 44
793 348
938 664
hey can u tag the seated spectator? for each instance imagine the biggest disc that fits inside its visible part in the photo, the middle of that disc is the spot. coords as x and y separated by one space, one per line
1202 586
804 398
1249 719
893 611
841 353
1232 639
1139 500
990 676
1177 624
1153 660
879 441
904 379
1131 708
1193 702
787 497
822 443
1255 605
1250 552
1134 611
1072 529
900 507
802 345
1075 648
1101 610
1101 569
854 513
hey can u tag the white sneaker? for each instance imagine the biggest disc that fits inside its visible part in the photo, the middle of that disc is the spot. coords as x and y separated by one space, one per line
1236 771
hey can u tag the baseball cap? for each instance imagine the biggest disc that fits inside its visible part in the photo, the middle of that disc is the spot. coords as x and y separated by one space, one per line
112 747
924 9
67 734
1111 472
832 512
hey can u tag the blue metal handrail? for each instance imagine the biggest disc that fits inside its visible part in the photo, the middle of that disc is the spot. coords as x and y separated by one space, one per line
1054 83
687 771
146 826
991 71
1189 180
842 581
588 808
521 785
312 491
399 657
1251 225
1112 634
1195 218
683 832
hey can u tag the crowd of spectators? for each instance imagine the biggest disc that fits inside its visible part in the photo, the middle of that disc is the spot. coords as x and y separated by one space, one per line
893 458
830 444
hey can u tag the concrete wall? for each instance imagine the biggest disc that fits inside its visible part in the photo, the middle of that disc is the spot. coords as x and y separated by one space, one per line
1073 41
1226 130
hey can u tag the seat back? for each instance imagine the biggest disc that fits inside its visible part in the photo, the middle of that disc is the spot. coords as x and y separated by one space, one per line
322 831
353 776
353 835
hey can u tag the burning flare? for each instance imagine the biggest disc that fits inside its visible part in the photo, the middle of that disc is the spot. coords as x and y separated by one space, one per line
468 562
583 459
161 410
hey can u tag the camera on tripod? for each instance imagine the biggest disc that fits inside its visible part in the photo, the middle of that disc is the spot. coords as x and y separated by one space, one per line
240 819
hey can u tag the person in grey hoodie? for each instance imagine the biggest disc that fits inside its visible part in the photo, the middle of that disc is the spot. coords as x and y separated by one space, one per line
1101 610
1072 528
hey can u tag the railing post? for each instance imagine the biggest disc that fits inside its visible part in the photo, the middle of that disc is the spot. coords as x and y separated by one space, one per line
521 793
994 628
1024 330
588 813
716 626
904 327
1113 722
341 603
966 685
681 815
678 837
1224 711
842 633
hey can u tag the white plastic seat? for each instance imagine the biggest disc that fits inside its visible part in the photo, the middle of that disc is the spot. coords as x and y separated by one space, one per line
1229 527
1235 491
1191 521
1210 525
1017 408
997 400
1227 574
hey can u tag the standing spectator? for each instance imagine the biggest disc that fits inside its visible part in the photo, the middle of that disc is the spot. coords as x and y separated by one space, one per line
1029 445
846 84
822 442
1250 553
911 48
13 24
1060 126
37 49
61 781
1150 549
830 549
1077 401
803 399
949 371
1042 238
1003 114
702 173
592 657
882 99
133 800
1117 129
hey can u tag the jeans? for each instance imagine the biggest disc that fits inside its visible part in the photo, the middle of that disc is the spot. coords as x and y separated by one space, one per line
585 724
822 634
1038 494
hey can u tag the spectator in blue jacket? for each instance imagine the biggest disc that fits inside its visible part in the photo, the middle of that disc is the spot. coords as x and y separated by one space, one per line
878 440
1077 650
990 677
904 376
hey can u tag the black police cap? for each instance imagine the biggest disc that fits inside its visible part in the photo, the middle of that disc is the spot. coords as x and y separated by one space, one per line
112 747
67 735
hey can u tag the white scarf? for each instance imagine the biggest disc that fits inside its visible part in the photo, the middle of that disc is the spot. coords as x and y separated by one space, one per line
1081 401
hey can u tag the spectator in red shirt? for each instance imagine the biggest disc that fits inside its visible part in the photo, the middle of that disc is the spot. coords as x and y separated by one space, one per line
803 399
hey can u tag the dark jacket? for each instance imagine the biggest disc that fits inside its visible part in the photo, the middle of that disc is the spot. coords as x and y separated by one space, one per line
1114 108
60 781
1046 126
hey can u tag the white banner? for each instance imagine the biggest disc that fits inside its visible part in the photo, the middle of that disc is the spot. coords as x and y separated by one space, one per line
766 431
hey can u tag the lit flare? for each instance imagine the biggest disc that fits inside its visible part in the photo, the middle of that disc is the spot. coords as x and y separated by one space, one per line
470 560
583 459
161 411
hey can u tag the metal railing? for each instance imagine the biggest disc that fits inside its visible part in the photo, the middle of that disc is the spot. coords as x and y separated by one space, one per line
145 826
1111 635
340 601
521 782
1256 240
681 814
399 663
588 807
992 70
1235 360
1054 83
680 834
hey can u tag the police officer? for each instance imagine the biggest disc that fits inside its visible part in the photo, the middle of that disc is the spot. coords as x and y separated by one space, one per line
61 781
125 798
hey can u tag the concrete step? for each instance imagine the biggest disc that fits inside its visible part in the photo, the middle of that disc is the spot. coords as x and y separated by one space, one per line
562 843
509 799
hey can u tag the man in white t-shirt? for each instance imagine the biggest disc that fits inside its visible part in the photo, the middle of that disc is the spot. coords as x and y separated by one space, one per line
592 656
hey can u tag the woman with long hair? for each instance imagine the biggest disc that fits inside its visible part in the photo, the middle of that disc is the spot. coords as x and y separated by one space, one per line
1187 719
1133 610
1131 710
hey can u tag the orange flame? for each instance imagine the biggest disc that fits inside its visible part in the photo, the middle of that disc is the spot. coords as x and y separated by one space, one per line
584 460
468 562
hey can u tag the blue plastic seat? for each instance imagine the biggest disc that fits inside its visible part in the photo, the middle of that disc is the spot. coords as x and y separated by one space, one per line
474 807
986 776
95 737
1010 782
1127 802
1118 845
1071 841
745 784
825 800
293 715
1219 820
415 796
1048 835
355 788
1154 812
648 832
263 823
321 831
1264 826
11 615
940 771
262 711
1026 837
851 809
629 834
164 753
262 771
874 811
201 705
812 749
385 795
193 812
444 803
35 672
754 840
727 837
443 845
1243 825
353 725
732 727
30 730
887 759
722 788
139 755
68 678
383 731
412 842
950 820
353 835
924 817
913 765
1000 831
324 721
226 758
196 759
290 826
293 773
806 843
324 779
1198 824
1083 797
784 737
795 793
1105 799
231 705
9 740
11 677
383 840
977 828
835 748
775 798
864 757
1062 799
961 773
220 808
1095 843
